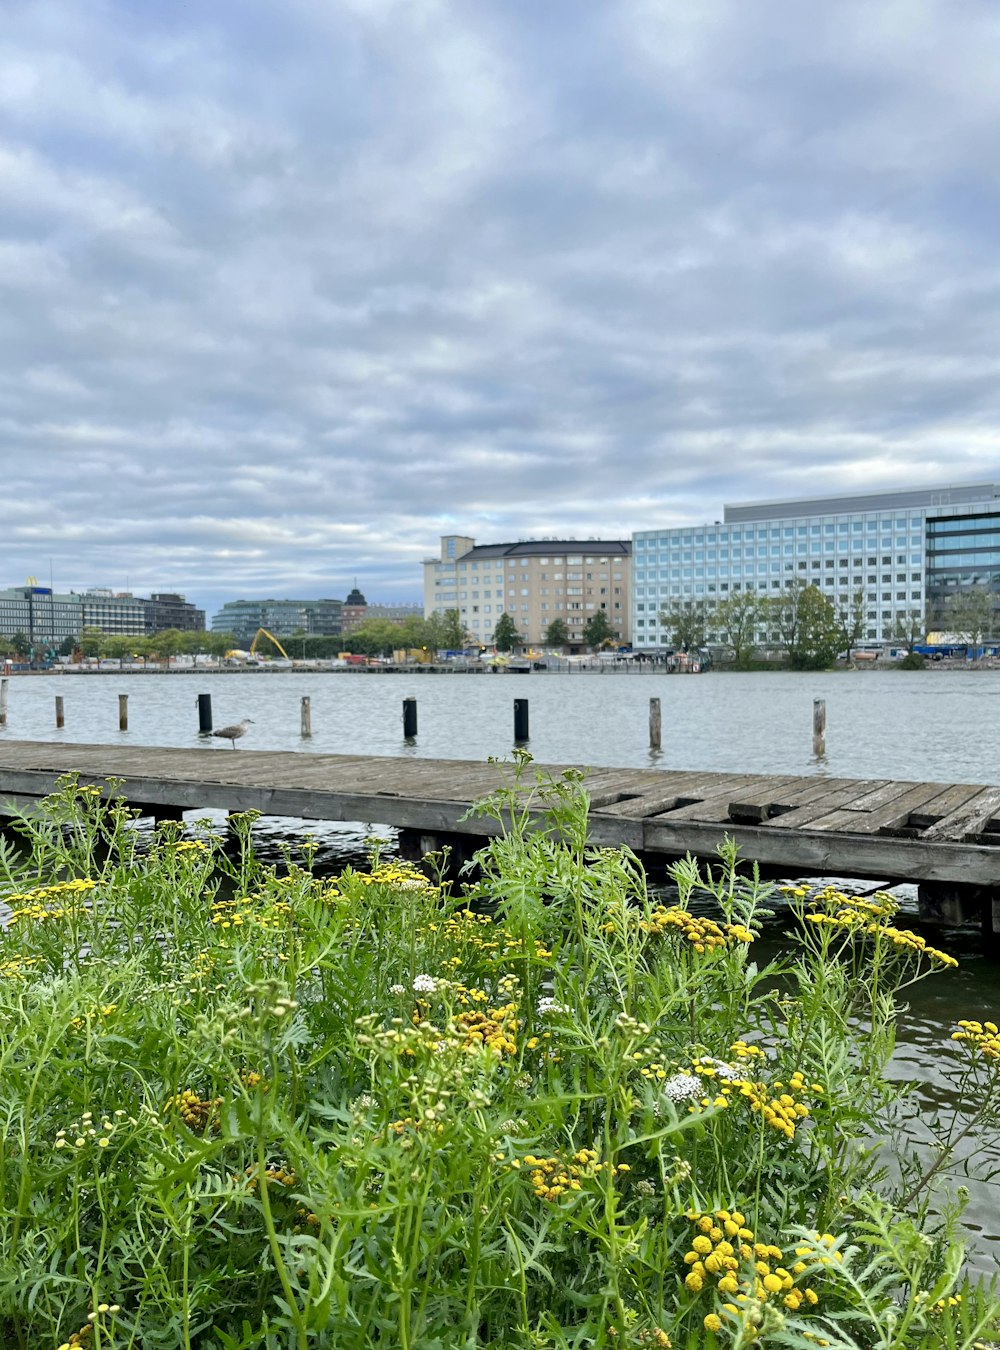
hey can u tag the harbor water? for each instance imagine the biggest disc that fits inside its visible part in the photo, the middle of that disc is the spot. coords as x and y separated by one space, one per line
932 725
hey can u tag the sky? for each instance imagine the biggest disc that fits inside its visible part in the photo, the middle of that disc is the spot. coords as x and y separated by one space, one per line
290 288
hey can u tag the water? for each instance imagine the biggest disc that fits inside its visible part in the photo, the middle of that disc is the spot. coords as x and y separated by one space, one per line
893 724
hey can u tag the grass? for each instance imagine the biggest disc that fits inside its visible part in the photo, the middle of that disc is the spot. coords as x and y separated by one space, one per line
252 1107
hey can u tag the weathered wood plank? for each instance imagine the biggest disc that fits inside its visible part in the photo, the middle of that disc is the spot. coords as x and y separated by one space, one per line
821 804
760 802
715 807
892 813
968 820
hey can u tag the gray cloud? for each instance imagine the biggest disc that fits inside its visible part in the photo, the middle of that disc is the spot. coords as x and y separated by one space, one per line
288 291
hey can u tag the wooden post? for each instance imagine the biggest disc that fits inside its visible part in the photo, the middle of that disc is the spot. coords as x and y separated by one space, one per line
819 726
3 701
204 714
521 719
307 726
60 711
123 712
409 717
654 724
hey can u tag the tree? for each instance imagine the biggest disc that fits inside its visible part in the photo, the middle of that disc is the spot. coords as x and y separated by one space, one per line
852 618
505 635
685 624
557 634
453 634
806 623
21 643
67 646
970 614
909 629
736 619
597 632
91 641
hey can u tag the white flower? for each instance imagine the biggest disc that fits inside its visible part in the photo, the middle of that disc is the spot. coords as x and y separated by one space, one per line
682 1086
397 989
725 1071
549 1005
424 984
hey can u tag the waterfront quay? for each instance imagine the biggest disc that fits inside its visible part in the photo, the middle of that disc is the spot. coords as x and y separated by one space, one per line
945 837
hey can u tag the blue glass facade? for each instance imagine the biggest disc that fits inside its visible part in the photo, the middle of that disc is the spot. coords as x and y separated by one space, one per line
890 545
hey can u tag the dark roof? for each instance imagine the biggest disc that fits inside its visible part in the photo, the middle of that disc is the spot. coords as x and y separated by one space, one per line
534 548
355 598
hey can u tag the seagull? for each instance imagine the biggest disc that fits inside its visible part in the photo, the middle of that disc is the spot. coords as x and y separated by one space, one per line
234 732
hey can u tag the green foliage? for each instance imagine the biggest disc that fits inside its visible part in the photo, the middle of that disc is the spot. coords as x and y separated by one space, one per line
971 614
685 624
912 661
505 635
557 634
736 620
249 1107
597 631
806 625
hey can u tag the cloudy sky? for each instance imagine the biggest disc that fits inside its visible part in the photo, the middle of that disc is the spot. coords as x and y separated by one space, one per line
289 288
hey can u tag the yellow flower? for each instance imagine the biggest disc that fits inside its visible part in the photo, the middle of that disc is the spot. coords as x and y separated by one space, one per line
713 1322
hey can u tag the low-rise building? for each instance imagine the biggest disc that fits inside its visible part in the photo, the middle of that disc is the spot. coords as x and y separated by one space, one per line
165 610
282 618
535 581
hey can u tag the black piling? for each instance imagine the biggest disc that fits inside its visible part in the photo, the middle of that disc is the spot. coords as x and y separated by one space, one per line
409 717
204 714
521 719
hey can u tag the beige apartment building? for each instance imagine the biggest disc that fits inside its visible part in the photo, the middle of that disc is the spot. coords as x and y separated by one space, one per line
534 581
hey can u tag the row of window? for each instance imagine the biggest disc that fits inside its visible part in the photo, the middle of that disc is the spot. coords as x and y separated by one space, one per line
883 525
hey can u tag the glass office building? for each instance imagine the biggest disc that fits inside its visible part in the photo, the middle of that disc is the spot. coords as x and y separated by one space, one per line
907 550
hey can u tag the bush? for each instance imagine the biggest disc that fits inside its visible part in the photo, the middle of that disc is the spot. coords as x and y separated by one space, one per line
245 1108
912 661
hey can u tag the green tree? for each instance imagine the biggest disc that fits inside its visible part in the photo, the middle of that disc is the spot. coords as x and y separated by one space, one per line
852 618
736 620
21 644
166 643
908 629
557 634
217 644
453 634
970 614
597 632
67 646
685 624
91 641
806 623
505 635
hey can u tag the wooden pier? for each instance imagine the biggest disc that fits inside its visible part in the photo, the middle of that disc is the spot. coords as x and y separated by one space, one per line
944 836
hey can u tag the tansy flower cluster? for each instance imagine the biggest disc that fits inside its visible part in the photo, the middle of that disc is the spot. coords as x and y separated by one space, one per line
553 1177
780 1104
83 1132
16 968
981 1036
863 917
197 1113
84 1337
703 934
491 1027
275 1173
104 1012
271 913
63 899
724 1251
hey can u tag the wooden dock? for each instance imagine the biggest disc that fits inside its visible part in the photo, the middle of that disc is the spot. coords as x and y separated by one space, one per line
945 836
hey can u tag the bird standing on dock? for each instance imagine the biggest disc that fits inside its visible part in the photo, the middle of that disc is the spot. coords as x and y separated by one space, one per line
234 732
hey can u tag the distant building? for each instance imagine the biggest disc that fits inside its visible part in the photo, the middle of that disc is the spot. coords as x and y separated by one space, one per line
50 619
165 610
535 582
121 614
282 618
908 551
353 613
358 611
40 615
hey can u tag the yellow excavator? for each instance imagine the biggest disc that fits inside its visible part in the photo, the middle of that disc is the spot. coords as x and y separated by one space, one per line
262 632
